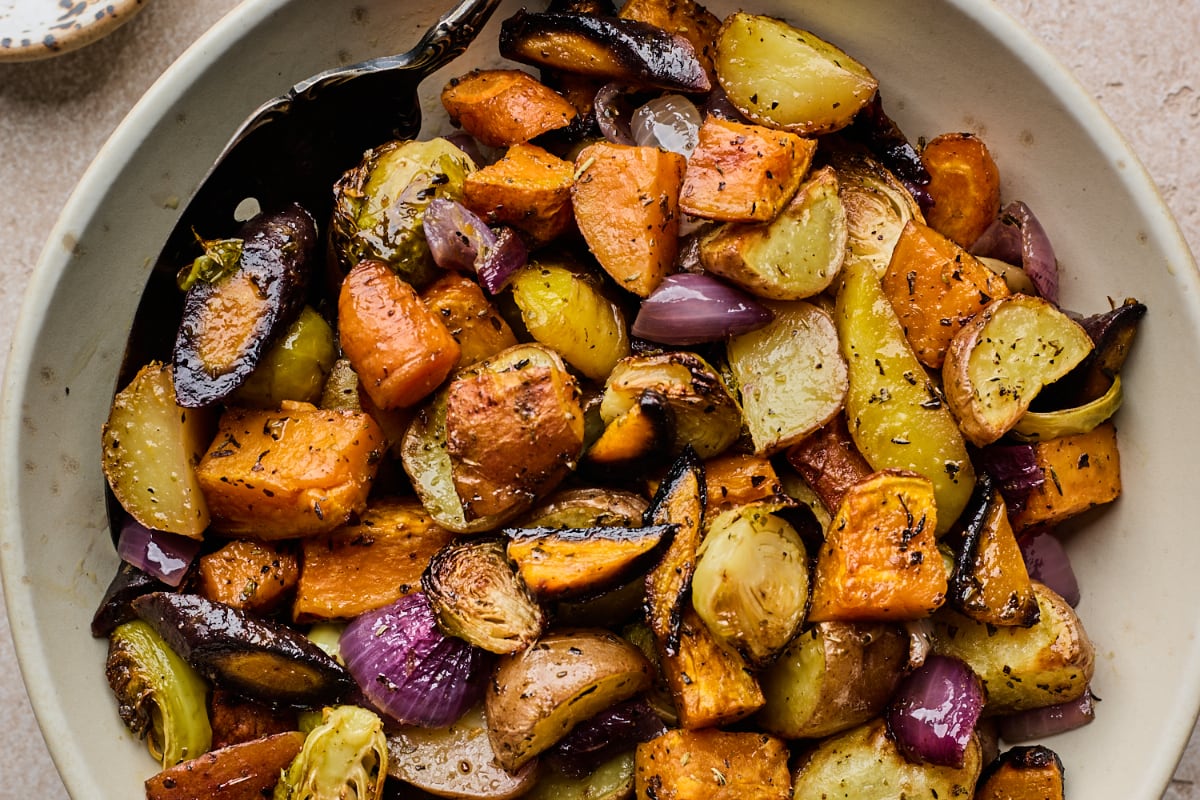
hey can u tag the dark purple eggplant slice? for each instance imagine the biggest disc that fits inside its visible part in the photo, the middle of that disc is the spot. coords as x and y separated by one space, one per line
604 47
249 655
1113 333
116 606
228 323
679 501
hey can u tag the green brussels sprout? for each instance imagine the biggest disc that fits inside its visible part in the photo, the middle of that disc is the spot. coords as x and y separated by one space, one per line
295 367
877 208
159 697
751 581
343 758
379 205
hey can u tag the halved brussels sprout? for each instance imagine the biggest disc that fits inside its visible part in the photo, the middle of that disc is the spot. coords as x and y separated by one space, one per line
295 367
380 204
346 756
877 208
159 696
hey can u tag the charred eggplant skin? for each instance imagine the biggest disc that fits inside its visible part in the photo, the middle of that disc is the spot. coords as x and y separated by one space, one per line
116 606
247 654
604 47
277 257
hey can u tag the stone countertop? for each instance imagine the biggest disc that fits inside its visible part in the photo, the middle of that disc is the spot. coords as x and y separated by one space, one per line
1143 68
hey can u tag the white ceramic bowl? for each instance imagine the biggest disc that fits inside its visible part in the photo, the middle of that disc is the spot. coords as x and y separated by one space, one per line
943 64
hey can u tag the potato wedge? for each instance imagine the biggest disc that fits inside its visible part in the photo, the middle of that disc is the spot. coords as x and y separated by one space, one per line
896 414
865 764
536 696
796 255
790 374
999 361
612 780
832 677
1022 668
503 107
151 446
964 183
787 78
713 765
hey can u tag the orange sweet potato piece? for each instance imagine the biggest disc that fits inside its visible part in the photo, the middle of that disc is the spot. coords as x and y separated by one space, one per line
502 107
626 202
529 189
367 564
245 771
880 559
743 173
294 472
965 186
236 719
713 765
712 684
399 348
1082 471
735 479
472 320
254 576
1028 772
935 287
829 462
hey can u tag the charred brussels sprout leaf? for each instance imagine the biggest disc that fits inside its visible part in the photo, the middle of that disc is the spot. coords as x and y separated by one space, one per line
379 205
159 697
345 756
221 258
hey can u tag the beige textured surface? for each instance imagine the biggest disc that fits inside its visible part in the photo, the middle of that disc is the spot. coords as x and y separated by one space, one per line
54 116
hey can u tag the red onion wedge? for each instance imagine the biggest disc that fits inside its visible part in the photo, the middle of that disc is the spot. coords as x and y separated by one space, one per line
1038 723
1018 236
1015 470
410 670
595 740
613 108
501 260
1047 562
934 711
688 308
165 556
456 235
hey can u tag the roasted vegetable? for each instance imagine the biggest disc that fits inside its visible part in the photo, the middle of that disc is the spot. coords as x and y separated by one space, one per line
999 361
288 473
788 78
638 438
604 47
236 719
612 780
829 462
1023 773
294 368
964 184
379 205
711 684
877 206
536 696
230 322
680 501
456 761
831 677
736 479
479 329
159 697
626 204
687 18
587 507
751 581
712 764
743 173
558 563
1081 472
1034 426
1113 332
527 188
345 756
243 771
790 375
259 658
114 609
252 576
477 596
503 107
151 448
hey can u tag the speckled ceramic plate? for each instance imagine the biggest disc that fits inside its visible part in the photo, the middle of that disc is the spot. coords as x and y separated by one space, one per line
33 29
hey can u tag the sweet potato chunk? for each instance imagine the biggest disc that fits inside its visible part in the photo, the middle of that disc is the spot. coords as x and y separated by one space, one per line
288 473
743 173
712 765
502 107
965 185
990 582
880 559
712 684
469 316
1023 773
1081 471
367 564
252 576
626 202
936 286
529 189
245 771
736 479
555 563
397 345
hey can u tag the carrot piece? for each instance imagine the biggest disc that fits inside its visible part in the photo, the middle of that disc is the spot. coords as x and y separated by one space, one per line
294 472
626 202
502 107
880 559
367 564
935 287
399 348
253 576
829 462
743 173
245 771
738 478
965 186
1081 471
529 189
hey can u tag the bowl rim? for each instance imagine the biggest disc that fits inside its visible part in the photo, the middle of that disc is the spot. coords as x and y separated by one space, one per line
82 206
